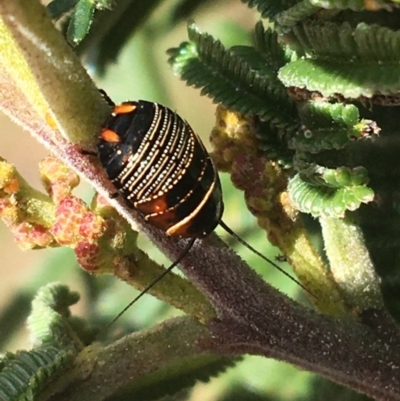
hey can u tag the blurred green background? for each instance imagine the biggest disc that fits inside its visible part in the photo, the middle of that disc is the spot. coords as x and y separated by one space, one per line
141 71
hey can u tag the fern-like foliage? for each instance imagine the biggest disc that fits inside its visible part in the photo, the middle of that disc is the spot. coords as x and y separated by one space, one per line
51 322
329 126
240 78
288 13
324 87
266 42
247 79
55 343
353 62
299 11
326 61
26 373
329 193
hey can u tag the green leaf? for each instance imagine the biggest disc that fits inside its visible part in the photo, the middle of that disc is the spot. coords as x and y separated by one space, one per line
82 15
317 114
351 80
295 14
147 364
50 321
259 63
274 54
369 43
236 78
330 193
80 22
327 126
335 178
346 61
25 373
314 141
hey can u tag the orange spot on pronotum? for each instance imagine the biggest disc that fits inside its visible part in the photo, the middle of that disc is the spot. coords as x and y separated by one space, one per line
124 108
110 136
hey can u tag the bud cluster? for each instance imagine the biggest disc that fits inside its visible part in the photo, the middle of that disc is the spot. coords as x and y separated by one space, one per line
237 150
96 233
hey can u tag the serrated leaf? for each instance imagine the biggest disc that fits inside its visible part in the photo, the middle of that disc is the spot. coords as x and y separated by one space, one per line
231 79
27 372
293 15
50 321
318 114
267 44
327 201
350 81
334 178
273 145
364 42
258 62
327 126
351 62
314 141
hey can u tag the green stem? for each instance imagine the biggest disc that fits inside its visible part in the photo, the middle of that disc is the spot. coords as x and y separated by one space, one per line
311 270
170 361
351 263
47 73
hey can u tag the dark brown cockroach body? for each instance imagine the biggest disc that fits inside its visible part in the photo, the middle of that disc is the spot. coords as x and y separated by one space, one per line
161 168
